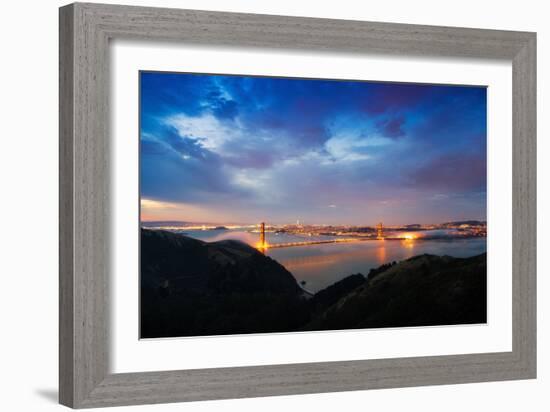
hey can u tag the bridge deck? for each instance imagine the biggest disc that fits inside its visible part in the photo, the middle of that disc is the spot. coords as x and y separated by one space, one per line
319 242
316 242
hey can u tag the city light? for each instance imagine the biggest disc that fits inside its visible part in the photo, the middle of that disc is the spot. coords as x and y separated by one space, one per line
262 246
317 234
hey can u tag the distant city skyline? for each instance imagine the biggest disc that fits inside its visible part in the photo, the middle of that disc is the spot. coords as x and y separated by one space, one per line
241 149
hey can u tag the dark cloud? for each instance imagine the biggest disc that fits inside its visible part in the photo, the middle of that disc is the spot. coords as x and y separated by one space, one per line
226 109
222 107
392 128
382 99
185 146
456 172
178 168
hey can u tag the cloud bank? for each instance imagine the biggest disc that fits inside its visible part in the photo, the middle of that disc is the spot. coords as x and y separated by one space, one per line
277 149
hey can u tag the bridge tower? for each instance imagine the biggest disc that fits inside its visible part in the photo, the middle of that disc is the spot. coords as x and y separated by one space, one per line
262 234
380 231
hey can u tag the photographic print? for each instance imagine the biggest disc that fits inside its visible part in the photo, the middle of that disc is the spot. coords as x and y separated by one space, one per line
272 205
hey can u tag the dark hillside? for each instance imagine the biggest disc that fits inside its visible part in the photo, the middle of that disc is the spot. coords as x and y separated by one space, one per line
190 287
421 291
193 288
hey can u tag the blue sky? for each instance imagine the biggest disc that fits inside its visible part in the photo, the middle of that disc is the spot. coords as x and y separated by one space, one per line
241 149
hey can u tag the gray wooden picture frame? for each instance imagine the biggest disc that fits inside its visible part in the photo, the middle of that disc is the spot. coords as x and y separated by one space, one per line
85 31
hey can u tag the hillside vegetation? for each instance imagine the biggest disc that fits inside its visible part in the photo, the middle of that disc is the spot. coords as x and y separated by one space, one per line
192 288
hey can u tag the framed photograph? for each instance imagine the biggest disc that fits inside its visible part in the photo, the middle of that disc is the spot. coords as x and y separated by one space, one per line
256 205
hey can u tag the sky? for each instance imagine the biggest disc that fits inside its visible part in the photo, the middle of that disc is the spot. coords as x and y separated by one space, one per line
241 149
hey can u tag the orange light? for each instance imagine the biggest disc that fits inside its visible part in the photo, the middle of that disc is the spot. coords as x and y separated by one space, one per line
261 246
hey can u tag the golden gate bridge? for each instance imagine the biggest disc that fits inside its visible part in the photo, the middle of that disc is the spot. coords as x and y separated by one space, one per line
263 245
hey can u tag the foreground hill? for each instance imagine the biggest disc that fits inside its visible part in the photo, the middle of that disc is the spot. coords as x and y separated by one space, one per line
421 291
190 288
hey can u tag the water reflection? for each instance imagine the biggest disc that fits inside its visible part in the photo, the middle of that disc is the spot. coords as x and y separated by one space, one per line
381 253
322 265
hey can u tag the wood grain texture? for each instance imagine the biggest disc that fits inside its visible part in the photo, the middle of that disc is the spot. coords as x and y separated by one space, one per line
66 109
85 31
524 124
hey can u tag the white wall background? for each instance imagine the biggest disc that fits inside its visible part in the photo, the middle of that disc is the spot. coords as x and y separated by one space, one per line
28 205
